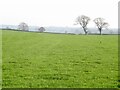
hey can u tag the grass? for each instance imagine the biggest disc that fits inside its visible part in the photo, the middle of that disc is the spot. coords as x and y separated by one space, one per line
43 60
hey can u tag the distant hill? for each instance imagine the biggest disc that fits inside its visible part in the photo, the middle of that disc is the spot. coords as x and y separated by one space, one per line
74 30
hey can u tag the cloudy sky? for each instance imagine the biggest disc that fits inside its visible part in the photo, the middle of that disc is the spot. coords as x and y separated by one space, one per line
57 12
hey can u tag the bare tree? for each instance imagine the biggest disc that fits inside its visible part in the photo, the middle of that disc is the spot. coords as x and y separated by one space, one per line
100 24
83 21
23 26
41 29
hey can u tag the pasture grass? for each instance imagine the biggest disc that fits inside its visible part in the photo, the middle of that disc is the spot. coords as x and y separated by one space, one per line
43 60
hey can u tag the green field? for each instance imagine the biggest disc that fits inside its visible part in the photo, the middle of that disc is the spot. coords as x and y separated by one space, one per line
43 60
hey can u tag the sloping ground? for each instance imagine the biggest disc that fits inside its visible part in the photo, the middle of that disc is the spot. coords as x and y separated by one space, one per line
41 60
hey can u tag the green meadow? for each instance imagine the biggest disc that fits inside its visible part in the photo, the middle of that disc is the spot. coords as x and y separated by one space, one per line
44 60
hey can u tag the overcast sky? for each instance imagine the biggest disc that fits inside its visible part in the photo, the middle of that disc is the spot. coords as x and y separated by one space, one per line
57 12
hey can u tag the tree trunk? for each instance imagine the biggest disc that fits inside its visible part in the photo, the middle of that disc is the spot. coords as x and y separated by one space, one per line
100 31
85 31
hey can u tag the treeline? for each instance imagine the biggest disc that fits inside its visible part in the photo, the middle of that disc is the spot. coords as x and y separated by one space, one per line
81 20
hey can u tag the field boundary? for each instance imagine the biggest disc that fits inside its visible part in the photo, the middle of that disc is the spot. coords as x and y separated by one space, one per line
54 32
